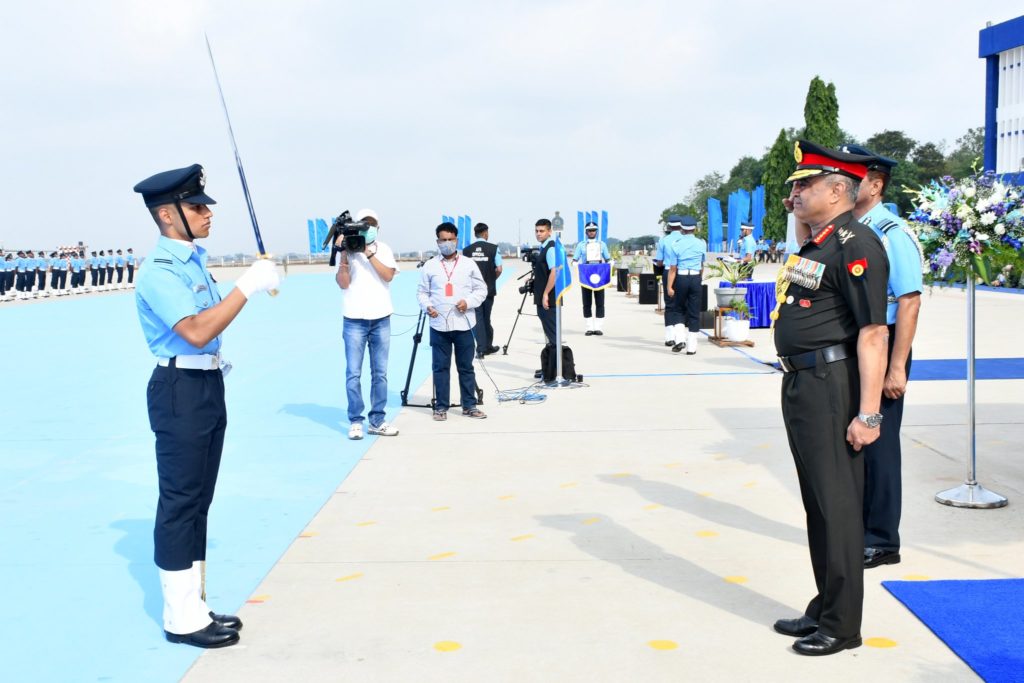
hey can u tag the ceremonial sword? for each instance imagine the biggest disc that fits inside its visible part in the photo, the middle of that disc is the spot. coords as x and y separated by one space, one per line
238 160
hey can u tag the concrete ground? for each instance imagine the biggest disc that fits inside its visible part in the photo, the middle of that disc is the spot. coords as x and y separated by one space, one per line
647 527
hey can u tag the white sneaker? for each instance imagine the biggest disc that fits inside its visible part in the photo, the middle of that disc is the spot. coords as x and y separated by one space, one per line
355 432
383 429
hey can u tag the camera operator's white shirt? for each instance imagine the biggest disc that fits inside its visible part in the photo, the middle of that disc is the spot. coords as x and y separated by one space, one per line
368 297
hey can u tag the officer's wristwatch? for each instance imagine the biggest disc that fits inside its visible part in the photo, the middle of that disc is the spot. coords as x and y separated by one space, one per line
872 420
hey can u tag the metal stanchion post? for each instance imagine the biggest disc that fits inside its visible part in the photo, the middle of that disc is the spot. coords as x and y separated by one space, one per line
971 494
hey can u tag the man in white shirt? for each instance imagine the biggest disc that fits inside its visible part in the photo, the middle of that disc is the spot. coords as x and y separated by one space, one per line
365 277
450 288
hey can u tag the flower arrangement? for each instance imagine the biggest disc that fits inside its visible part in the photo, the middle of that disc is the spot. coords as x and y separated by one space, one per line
968 224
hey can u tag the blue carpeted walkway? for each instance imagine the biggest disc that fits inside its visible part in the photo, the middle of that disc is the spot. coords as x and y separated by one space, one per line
981 621
78 478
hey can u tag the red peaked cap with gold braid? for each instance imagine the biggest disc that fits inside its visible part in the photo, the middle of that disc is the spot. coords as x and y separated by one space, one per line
813 160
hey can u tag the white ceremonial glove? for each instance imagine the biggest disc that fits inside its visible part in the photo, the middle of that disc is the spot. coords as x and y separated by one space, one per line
261 276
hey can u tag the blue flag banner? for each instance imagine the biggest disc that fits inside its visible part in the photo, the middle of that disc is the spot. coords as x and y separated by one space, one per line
604 226
757 212
595 275
579 226
321 235
314 246
563 276
714 224
461 225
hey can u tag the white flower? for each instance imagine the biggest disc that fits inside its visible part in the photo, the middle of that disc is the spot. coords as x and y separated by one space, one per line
999 229
988 218
936 215
969 191
968 224
981 236
964 212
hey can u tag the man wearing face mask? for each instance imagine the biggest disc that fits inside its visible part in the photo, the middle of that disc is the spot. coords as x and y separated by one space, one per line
365 278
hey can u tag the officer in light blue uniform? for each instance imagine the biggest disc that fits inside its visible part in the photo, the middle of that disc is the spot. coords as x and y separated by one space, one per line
119 267
882 480
684 259
182 317
130 262
748 245
673 311
5 259
592 249
77 272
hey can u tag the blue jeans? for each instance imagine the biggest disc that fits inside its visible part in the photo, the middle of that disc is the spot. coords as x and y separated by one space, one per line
441 344
357 333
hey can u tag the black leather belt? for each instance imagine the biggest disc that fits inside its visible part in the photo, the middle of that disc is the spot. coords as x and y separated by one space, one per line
831 354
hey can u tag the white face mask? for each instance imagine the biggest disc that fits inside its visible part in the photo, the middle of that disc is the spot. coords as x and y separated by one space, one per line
447 248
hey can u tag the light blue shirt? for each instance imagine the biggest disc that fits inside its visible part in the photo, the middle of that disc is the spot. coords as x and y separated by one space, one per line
130 259
748 246
580 254
174 285
686 253
76 265
550 258
664 243
9 265
119 261
58 263
904 259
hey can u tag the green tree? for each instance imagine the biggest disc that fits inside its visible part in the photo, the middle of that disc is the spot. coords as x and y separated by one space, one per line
821 114
931 162
778 166
894 144
970 149
746 174
682 209
705 188
904 176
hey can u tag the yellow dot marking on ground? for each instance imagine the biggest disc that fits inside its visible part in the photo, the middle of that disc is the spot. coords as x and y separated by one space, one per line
505 497
307 534
764 445
622 475
440 509
592 520
672 465
369 523
704 494
350 577
735 579
879 642
258 599
707 533
522 538
663 644
568 485
441 556
916 577
652 506
750 485
447 646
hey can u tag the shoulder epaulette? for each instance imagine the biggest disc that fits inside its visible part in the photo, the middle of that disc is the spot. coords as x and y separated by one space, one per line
886 225
164 260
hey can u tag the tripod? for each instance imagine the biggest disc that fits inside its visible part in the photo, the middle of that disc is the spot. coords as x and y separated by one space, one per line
417 337
526 289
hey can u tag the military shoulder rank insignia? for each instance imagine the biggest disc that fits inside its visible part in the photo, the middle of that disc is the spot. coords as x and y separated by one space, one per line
857 267
823 235
844 235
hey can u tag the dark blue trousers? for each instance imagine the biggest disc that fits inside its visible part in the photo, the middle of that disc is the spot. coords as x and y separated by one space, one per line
883 481
188 417
673 308
441 345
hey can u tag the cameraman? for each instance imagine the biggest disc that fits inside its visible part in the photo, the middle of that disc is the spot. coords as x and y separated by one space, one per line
544 279
365 276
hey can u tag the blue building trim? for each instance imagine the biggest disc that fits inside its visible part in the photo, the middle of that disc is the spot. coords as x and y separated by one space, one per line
991 103
1001 37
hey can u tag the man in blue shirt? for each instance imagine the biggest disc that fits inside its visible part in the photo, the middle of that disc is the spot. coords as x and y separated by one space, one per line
685 261
592 250
882 479
119 267
182 317
673 309
544 279
748 246
130 262
110 269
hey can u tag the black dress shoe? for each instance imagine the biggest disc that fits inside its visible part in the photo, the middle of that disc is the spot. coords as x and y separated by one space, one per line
227 620
801 626
588 333
818 644
538 374
599 333
479 356
492 349
212 636
678 347
670 343
874 557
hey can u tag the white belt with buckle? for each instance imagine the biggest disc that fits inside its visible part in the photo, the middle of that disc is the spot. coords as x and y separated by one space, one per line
205 361
687 272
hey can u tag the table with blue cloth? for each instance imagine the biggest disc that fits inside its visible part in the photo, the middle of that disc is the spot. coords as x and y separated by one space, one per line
760 299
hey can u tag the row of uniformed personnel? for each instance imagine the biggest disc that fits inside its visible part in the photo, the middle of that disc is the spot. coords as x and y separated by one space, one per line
23 274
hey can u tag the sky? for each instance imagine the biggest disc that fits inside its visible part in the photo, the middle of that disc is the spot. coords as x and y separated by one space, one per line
504 111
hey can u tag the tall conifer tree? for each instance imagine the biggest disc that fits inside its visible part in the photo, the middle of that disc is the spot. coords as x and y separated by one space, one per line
821 114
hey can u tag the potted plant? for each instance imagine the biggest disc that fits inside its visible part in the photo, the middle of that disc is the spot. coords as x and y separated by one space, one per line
732 272
737 326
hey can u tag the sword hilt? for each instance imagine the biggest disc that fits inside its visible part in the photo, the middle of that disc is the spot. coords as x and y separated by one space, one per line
271 292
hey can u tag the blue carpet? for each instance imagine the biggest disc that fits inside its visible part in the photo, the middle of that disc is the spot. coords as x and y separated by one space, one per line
956 368
981 621
78 483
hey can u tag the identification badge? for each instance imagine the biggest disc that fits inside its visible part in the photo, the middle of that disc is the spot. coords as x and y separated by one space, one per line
449 290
